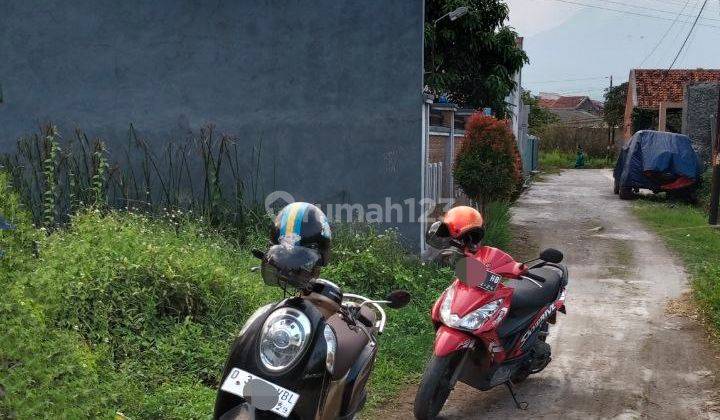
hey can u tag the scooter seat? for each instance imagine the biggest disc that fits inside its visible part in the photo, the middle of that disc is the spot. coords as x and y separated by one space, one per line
528 295
349 345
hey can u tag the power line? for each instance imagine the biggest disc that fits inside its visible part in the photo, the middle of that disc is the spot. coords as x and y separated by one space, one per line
569 80
683 27
658 10
677 2
672 25
688 35
627 12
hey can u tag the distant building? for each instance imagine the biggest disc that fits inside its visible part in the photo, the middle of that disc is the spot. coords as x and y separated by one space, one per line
578 118
553 101
573 111
655 98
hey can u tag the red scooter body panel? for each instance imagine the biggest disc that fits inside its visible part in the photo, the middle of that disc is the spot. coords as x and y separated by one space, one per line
486 359
499 262
468 299
449 340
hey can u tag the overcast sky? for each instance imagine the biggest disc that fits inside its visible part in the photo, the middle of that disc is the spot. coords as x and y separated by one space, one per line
530 17
576 45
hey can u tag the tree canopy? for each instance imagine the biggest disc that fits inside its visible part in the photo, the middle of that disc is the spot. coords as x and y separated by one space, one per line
615 98
474 58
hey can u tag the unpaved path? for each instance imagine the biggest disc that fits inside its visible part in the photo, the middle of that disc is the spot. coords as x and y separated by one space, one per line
618 353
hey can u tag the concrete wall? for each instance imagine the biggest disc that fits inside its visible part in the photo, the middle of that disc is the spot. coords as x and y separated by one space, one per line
701 102
332 88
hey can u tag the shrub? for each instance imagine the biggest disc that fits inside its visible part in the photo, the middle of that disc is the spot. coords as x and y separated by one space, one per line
594 141
133 314
486 167
125 313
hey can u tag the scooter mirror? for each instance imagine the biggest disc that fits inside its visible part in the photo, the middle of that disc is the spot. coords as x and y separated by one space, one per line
258 254
398 299
552 256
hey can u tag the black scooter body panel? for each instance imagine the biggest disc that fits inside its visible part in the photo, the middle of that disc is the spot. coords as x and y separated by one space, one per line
306 377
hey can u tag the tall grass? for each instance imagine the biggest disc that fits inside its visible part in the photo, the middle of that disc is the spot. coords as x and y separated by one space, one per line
554 160
215 177
566 139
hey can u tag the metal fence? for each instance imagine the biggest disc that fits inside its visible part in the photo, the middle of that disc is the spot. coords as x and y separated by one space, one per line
529 148
434 181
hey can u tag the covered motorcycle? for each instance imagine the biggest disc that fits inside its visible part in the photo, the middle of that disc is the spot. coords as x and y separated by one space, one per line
658 161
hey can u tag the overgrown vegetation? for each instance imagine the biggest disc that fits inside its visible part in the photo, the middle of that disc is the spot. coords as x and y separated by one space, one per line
614 108
554 160
123 312
594 141
487 168
206 174
685 230
648 119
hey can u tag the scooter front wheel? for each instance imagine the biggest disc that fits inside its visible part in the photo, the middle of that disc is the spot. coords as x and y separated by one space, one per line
438 381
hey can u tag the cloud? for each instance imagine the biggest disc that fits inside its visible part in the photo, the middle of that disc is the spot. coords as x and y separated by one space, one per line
531 17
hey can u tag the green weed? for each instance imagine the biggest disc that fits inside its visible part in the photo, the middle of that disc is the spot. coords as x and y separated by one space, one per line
684 228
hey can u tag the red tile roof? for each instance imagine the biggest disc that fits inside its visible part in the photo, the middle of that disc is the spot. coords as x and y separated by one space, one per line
546 103
563 102
655 86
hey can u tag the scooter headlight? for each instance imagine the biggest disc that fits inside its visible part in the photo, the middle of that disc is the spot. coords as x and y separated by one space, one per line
285 335
331 346
471 321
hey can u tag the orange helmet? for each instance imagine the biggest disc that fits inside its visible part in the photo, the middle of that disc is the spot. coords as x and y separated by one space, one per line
462 224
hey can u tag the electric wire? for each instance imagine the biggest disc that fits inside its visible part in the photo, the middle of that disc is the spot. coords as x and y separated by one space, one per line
672 25
658 10
628 12
682 47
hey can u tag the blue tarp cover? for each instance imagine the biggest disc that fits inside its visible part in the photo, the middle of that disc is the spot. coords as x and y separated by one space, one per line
658 152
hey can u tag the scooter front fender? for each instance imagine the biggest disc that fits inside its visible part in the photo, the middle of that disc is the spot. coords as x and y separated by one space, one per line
449 340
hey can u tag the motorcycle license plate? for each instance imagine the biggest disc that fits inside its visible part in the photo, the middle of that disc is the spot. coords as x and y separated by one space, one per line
236 382
491 281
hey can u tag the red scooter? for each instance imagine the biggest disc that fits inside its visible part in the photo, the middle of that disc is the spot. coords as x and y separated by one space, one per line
491 323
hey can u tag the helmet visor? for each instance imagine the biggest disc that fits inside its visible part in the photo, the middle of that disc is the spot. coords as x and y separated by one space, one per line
292 265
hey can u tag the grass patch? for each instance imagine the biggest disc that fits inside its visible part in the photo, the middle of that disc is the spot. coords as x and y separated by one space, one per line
121 312
555 160
685 230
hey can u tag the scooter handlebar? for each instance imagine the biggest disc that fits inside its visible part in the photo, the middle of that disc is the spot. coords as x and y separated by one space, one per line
362 300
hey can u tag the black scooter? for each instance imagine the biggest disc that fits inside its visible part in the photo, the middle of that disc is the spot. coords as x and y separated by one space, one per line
306 357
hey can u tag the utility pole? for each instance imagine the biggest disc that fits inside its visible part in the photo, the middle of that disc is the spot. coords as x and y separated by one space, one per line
611 130
715 162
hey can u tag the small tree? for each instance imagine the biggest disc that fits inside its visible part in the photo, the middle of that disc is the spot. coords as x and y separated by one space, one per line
538 117
486 168
614 110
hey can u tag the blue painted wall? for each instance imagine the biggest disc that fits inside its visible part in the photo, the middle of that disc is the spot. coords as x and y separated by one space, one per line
332 88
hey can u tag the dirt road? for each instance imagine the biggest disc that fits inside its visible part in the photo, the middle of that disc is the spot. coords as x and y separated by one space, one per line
619 353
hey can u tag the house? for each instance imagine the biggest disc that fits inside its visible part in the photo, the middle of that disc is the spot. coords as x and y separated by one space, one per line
651 93
553 101
573 111
577 118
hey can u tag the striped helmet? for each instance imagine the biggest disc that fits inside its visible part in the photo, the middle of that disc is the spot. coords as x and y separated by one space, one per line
303 224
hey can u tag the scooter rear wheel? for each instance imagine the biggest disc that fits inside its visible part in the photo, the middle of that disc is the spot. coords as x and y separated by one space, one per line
437 383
